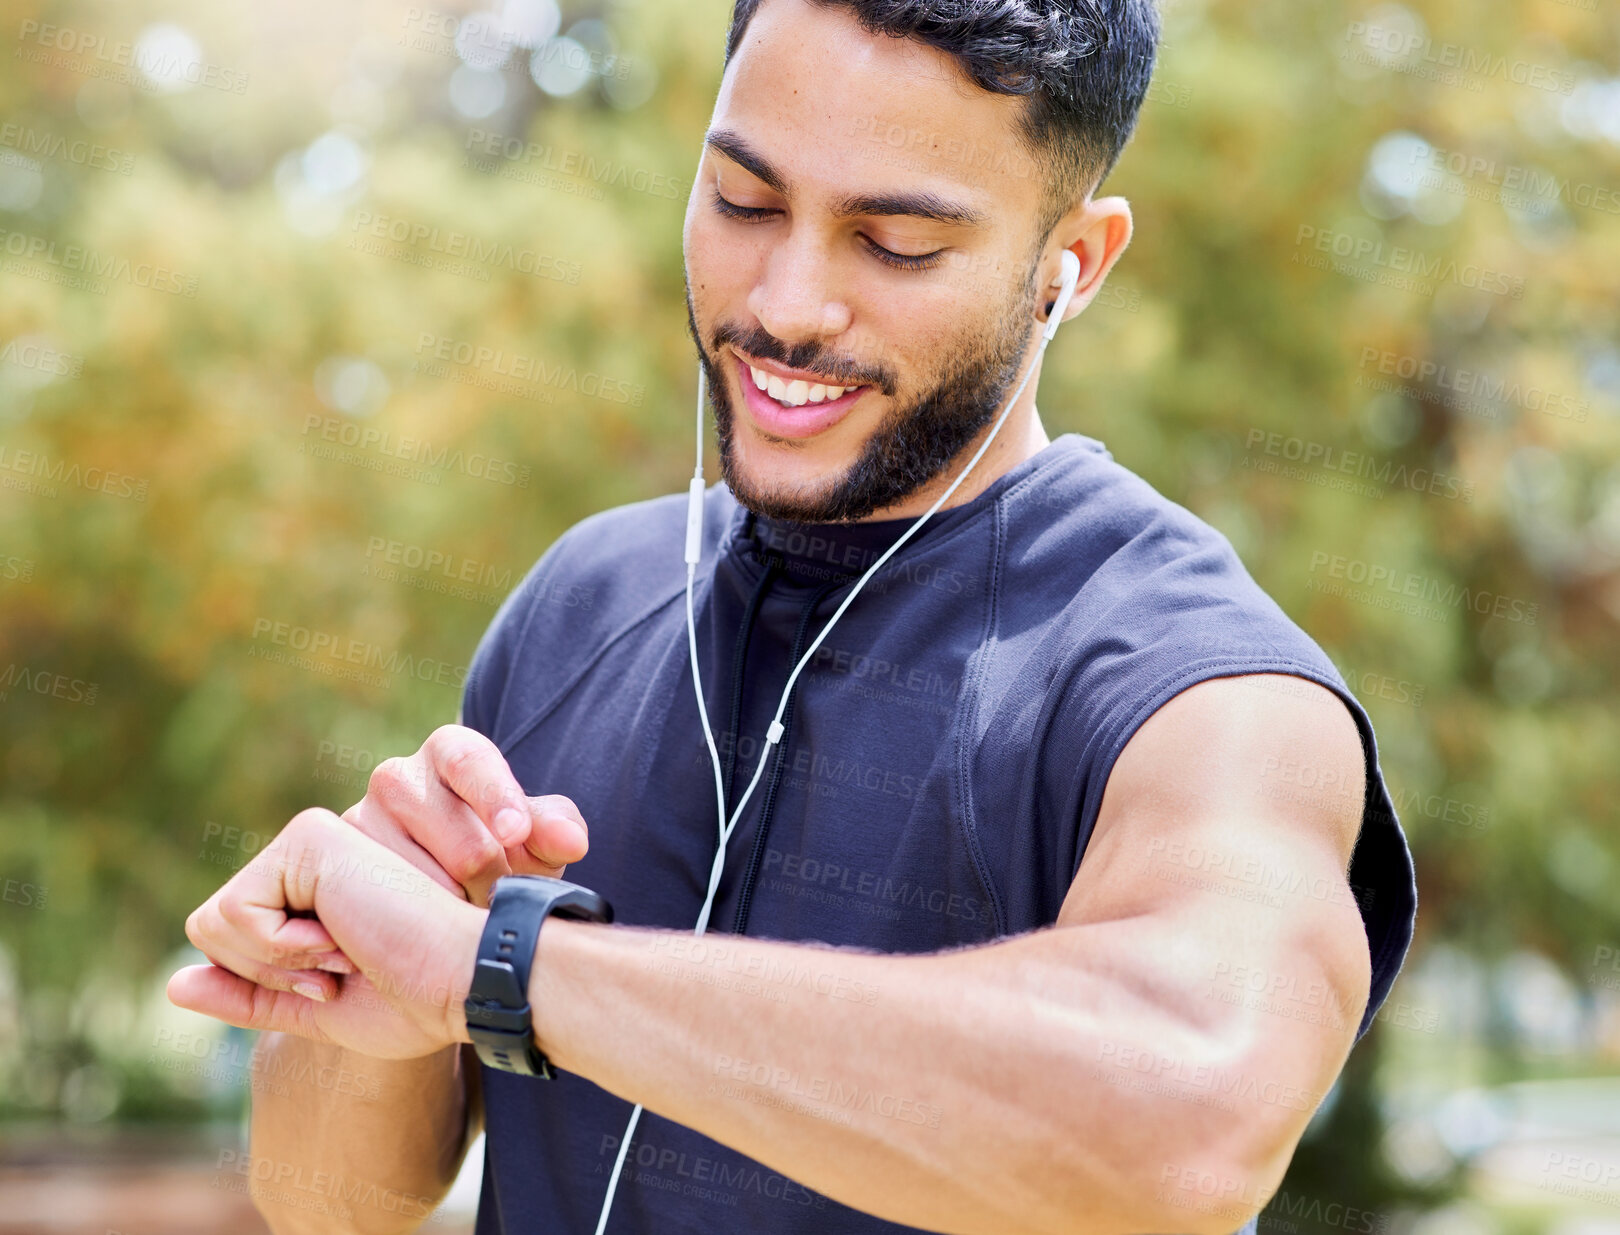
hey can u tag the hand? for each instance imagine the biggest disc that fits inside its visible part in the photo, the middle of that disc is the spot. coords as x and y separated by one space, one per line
405 946
457 812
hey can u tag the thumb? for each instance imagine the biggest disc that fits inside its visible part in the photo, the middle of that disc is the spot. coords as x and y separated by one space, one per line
231 998
557 836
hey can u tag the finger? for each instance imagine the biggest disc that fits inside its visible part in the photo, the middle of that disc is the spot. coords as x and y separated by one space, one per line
413 799
473 768
371 820
459 843
297 943
256 927
314 984
231 998
557 832
265 933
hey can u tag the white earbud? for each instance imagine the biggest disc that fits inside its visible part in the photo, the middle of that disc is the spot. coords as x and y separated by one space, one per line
1066 281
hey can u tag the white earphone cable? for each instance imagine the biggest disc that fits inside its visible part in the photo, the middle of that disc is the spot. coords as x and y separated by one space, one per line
773 734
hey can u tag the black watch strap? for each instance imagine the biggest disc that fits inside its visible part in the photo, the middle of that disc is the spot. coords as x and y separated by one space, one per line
499 1019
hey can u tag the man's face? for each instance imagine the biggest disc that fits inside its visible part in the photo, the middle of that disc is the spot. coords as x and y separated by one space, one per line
836 137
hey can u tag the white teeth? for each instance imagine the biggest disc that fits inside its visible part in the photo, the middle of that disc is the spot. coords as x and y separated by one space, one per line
795 393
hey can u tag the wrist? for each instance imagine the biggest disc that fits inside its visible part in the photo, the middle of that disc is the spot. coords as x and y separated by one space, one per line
465 929
500 1013
548 979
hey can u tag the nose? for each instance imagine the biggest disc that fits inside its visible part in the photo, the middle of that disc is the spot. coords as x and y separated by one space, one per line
795 299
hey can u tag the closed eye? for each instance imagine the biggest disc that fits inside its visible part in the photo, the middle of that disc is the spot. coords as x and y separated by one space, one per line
900 261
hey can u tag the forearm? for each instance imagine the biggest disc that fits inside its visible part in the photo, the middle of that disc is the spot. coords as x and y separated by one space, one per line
343 1142
960 1092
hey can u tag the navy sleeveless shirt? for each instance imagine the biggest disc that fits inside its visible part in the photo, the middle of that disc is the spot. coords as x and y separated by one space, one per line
945 757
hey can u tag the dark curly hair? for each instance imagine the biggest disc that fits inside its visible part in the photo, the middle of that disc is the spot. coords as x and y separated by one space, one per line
1084 65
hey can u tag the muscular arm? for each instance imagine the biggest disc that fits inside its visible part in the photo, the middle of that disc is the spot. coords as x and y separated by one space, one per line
403 1125
330 1123
1147 1063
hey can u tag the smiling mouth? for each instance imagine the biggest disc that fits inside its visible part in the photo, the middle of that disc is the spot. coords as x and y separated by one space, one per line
795 393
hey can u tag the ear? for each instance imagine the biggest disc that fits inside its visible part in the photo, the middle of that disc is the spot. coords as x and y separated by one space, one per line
1097 234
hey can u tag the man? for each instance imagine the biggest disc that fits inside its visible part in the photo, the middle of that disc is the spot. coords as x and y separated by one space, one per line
915 1006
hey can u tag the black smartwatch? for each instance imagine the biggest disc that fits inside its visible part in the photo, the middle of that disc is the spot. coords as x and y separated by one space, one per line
497 1004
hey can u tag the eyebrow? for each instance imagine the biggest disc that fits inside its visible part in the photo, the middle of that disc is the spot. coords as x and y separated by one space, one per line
920 204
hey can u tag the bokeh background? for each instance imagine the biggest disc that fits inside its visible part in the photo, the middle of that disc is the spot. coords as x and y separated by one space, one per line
313 336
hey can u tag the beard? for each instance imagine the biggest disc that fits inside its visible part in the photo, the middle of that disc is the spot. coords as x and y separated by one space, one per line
916 441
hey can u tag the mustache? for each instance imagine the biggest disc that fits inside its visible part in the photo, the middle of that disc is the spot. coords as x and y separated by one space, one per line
808 355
